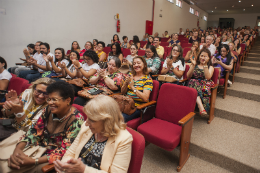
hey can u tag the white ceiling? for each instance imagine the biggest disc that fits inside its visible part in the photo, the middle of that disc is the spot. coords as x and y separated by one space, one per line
224 5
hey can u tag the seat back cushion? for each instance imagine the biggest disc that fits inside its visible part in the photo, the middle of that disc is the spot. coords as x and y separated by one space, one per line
174 102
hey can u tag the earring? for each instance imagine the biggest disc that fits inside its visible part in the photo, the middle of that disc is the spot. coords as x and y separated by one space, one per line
68 104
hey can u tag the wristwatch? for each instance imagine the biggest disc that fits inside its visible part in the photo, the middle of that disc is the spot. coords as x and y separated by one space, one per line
19 115
135 90
79 68
36 161
105 77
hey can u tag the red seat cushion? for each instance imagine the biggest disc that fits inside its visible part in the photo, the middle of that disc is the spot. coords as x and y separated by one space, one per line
165 134
221 81
134 123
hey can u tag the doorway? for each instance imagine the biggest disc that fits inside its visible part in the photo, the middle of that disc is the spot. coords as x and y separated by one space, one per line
226 22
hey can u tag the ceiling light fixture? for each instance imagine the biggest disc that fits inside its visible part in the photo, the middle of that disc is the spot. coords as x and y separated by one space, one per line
212 11
244 9
227 10
252 5
215 7
239 1
233 6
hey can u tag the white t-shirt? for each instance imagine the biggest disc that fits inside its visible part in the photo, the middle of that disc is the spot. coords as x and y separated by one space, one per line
37 56
211 48
177 64
5 75
71 69
63 61
226 42
87 67
182 33
41 61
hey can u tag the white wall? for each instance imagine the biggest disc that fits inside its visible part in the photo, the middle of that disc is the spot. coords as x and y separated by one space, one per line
59 22
240 19
173 17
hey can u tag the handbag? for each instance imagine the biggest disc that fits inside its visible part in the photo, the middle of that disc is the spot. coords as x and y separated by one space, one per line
166 78
102 65
49 74
6 130
7 148
124 68
79 82
126 104
101 90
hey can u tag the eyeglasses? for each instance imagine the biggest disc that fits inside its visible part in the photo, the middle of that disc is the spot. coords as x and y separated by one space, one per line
148 52
175 50
87 59
54 100
39 92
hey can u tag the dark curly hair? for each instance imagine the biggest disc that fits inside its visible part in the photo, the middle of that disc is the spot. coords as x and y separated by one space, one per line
114 37
91 54
64 89
32 46
209 54
101 42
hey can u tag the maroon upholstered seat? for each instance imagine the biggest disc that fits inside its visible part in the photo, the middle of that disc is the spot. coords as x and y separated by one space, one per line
141 52
17 84
126 52
138 146
175 106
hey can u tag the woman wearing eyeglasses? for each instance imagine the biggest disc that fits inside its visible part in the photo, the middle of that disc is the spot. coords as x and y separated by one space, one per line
101 54
174 65
55 130
26 110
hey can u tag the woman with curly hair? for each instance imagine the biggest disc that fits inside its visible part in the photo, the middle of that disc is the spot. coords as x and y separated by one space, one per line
115 52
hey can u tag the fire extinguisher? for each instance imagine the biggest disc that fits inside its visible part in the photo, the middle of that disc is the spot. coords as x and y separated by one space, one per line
117 23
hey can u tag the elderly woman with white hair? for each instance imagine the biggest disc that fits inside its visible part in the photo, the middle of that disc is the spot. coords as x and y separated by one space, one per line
103 144
209 45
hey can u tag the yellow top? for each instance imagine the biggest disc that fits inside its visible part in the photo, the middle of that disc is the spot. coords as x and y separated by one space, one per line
99 54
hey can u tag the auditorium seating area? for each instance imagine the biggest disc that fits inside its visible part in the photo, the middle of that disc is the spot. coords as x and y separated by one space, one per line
170 132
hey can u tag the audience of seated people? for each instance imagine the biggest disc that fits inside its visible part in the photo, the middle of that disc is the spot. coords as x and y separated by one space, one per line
59 123
46 113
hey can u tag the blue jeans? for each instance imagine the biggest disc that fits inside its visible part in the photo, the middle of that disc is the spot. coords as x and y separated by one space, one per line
30 75
136 114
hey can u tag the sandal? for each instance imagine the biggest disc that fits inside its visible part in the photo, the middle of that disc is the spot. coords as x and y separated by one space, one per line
204 114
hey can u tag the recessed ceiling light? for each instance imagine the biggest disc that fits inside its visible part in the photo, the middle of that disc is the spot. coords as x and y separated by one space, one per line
244 9
227 10
212 11
233 6
215 7
239 1
252 5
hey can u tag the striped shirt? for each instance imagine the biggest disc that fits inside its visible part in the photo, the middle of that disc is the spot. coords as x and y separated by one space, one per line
145 83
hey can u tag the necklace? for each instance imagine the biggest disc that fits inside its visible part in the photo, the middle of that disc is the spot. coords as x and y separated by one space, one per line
91 146
55 118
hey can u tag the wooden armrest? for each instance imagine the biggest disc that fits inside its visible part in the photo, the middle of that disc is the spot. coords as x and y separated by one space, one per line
146 104
184 80
47 168
186 119
18 63
115 94
155 75
56 76
214 87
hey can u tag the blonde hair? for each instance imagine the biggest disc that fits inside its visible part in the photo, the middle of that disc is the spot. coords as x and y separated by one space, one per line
45 81
106 109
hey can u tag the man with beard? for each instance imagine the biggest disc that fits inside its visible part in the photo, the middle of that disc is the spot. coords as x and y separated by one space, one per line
39 65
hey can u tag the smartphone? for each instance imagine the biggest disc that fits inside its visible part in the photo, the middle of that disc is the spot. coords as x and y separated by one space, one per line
6 122
92 90
218 59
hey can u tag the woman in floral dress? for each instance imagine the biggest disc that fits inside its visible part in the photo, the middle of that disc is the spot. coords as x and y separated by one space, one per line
55 130
200 73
